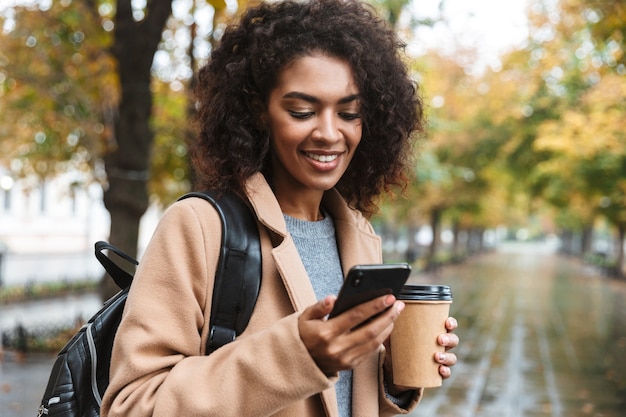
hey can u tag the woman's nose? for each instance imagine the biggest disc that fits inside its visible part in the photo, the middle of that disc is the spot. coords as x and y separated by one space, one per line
327 128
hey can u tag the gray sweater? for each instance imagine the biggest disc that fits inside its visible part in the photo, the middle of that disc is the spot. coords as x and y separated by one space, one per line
317 247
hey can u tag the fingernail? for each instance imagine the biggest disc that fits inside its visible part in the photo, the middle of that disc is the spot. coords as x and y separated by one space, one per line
400 306
444 339
389 300
442 357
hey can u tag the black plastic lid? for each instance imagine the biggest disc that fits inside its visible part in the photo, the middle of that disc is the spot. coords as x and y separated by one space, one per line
426 292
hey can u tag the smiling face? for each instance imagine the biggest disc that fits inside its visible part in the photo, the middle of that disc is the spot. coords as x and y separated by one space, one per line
313 115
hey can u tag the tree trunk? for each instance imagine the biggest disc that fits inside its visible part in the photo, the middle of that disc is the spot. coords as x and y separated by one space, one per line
456 231
619 261
412 250
474 240
566 242
586 240
435 225
127 165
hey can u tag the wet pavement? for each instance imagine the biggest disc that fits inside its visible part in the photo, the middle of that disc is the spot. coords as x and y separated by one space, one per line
542 335
22 384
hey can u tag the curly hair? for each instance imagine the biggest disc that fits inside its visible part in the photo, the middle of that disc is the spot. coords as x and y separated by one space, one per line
234 86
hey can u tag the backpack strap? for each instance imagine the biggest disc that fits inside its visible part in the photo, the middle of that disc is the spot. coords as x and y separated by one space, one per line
238 276
122 278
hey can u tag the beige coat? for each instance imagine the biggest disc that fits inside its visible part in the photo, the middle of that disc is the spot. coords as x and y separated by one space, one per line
158 366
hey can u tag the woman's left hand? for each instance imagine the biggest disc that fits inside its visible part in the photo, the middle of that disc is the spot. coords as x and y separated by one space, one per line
448 340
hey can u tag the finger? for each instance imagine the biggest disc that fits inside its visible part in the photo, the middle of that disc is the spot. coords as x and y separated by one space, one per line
369 336
447 359
445 372
363 312
374 333
320 309
380 322
448 340
451 323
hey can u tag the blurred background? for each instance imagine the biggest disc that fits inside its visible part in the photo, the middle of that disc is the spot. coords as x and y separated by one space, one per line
524 158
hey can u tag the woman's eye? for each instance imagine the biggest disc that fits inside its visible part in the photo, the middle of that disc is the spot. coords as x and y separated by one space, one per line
350 116
301 114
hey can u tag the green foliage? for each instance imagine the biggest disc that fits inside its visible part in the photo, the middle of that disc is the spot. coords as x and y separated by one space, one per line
57 85
170 165
545 132
59 90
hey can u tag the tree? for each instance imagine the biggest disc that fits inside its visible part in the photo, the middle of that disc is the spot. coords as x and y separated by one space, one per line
57 84
74 95
127 164
582 62
588 165
451 182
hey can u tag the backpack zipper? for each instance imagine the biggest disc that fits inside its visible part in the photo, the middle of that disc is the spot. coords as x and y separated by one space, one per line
44 410
94 364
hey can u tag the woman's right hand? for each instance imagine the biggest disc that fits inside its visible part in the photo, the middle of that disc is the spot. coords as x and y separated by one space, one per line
344 341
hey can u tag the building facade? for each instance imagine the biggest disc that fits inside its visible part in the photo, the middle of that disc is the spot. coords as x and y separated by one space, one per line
48 227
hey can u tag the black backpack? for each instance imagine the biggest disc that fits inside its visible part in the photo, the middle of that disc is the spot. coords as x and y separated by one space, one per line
80 374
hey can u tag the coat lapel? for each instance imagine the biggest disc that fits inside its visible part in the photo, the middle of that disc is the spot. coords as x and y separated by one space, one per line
284 252
356 239
357 244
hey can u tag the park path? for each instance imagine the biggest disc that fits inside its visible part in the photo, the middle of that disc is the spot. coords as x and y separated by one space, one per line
542 335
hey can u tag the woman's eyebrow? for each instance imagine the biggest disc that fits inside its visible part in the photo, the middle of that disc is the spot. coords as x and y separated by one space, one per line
348 99
312 99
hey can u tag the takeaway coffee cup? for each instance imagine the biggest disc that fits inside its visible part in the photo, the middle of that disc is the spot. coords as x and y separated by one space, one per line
414 336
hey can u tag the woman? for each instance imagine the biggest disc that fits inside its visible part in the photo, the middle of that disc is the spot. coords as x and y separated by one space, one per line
306 111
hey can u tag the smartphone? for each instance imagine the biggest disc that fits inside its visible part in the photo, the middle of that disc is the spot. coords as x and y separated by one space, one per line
366 282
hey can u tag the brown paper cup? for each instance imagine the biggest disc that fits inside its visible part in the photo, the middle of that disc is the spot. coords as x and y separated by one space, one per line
414 343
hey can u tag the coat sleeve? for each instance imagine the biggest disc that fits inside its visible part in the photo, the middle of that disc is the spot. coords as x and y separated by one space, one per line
391 407
158 367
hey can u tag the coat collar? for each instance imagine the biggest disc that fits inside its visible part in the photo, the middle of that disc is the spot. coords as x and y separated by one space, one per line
356 239
265 205
351 227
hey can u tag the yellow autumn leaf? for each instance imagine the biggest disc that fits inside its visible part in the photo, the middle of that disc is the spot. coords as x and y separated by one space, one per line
218 5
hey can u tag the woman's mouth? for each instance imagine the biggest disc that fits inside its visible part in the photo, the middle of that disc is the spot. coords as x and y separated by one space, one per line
321 158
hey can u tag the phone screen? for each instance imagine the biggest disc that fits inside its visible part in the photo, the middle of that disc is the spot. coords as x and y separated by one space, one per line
366 282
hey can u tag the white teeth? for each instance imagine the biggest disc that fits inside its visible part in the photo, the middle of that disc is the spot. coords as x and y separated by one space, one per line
322 158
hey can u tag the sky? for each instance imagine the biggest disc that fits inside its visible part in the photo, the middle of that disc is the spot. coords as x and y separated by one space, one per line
492 26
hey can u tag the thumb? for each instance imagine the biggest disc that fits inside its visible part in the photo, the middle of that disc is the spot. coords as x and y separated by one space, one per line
320 309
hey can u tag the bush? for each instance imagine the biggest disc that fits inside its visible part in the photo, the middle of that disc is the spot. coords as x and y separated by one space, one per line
14 294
